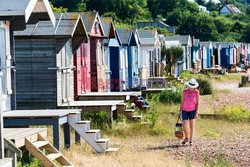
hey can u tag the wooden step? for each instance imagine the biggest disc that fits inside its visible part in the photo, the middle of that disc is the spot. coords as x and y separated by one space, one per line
54 156
112 150
83 122
39 144
129 110
53 153
94 133
102 140
137 117
129 113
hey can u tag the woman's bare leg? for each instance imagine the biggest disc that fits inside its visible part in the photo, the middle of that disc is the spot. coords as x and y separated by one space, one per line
191 126
185 128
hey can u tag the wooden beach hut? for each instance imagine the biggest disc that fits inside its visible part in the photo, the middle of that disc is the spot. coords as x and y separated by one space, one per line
207 54
112 55
228 54
45 80
149 60
217 53
15 15
124 35
44 61
92 55
133 55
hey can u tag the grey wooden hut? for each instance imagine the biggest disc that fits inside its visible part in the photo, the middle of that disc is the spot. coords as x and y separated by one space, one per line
44 62
14 16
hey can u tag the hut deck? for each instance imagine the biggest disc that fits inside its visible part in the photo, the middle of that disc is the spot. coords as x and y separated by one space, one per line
153 91
104 105
51 117
18 135
107 96
53 113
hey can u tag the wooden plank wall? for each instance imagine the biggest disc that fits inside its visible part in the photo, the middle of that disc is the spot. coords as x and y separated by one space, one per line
36 85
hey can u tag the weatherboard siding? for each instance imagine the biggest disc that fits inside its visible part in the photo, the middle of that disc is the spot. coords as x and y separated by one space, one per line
35 84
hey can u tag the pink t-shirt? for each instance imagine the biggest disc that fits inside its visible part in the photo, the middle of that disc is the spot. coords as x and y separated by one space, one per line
190 100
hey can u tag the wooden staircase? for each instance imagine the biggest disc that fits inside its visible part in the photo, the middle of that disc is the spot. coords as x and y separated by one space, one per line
139 102
46 153
91 136
128 112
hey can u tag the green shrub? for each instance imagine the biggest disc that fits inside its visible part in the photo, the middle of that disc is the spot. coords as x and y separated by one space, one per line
28 162
235 113
205 86
170 96
98 119
151 116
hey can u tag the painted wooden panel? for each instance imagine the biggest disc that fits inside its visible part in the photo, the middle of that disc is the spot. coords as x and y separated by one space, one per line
101 67
115 69
5 64
36 84
108 68
93 66
77 73
96 31
65 76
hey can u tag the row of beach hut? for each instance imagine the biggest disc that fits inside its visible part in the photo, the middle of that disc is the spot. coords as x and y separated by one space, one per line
204 55
85 53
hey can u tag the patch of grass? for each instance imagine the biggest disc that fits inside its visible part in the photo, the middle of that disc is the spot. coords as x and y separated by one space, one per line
217 161
235 113
186 76
210 133
229 77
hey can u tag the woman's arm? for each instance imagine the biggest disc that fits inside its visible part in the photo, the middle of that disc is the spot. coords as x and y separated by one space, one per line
197 103
182 101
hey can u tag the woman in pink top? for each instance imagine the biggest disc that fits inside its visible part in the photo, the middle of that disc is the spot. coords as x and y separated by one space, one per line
189 109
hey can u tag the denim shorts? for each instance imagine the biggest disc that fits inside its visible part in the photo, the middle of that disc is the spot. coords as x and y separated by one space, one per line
188 115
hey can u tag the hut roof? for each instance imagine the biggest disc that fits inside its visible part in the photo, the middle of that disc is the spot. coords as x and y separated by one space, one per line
25 11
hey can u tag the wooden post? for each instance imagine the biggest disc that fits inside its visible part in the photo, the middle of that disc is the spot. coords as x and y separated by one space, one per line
12 155
56 136
1 121
77 138
67 140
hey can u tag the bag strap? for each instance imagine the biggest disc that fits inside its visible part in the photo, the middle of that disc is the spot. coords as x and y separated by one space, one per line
179 119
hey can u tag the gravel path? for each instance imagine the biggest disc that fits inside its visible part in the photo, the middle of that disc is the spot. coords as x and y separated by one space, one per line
227 94
234 149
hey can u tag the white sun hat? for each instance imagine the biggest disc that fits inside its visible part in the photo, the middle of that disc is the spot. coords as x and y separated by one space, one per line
192 83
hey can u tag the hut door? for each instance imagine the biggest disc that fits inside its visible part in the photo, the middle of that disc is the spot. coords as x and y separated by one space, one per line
5 59
67 74
84 84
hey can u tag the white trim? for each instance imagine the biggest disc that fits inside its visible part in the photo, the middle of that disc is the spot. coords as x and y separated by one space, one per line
60 18
50 12
77 21
29 9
